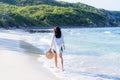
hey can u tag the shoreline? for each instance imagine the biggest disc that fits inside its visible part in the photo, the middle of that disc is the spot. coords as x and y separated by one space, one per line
18 61
34 53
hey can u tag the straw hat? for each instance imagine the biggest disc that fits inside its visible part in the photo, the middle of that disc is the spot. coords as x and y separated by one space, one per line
49 54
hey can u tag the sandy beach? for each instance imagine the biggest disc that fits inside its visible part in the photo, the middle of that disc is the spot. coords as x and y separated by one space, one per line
17 61
95 57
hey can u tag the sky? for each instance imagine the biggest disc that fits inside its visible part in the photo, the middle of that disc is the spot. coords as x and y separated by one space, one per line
113 5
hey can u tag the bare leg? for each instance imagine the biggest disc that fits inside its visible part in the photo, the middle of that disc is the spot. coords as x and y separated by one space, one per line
61 61
55 59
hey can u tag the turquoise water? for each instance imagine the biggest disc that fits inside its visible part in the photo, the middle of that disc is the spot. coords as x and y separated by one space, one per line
90 54
93 40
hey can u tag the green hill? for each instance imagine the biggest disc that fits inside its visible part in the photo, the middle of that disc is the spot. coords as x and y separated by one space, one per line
27 2
29 13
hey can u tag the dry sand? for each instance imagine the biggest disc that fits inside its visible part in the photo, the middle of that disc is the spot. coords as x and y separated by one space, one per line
21 65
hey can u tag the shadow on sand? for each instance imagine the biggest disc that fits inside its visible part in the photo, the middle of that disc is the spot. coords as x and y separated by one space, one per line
30 49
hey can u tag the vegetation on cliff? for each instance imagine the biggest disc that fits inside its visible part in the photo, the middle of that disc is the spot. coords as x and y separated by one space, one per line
29 13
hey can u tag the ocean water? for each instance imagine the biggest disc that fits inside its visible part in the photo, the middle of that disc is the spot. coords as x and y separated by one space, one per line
90 54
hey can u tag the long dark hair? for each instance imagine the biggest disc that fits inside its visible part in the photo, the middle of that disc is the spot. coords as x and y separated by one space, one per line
57 31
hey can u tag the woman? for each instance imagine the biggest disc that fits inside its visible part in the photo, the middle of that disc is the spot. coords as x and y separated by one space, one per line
57 45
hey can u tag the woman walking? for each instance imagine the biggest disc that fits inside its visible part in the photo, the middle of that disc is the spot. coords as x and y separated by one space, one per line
57 45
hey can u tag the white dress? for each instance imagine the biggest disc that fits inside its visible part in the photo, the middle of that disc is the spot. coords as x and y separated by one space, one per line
57 44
